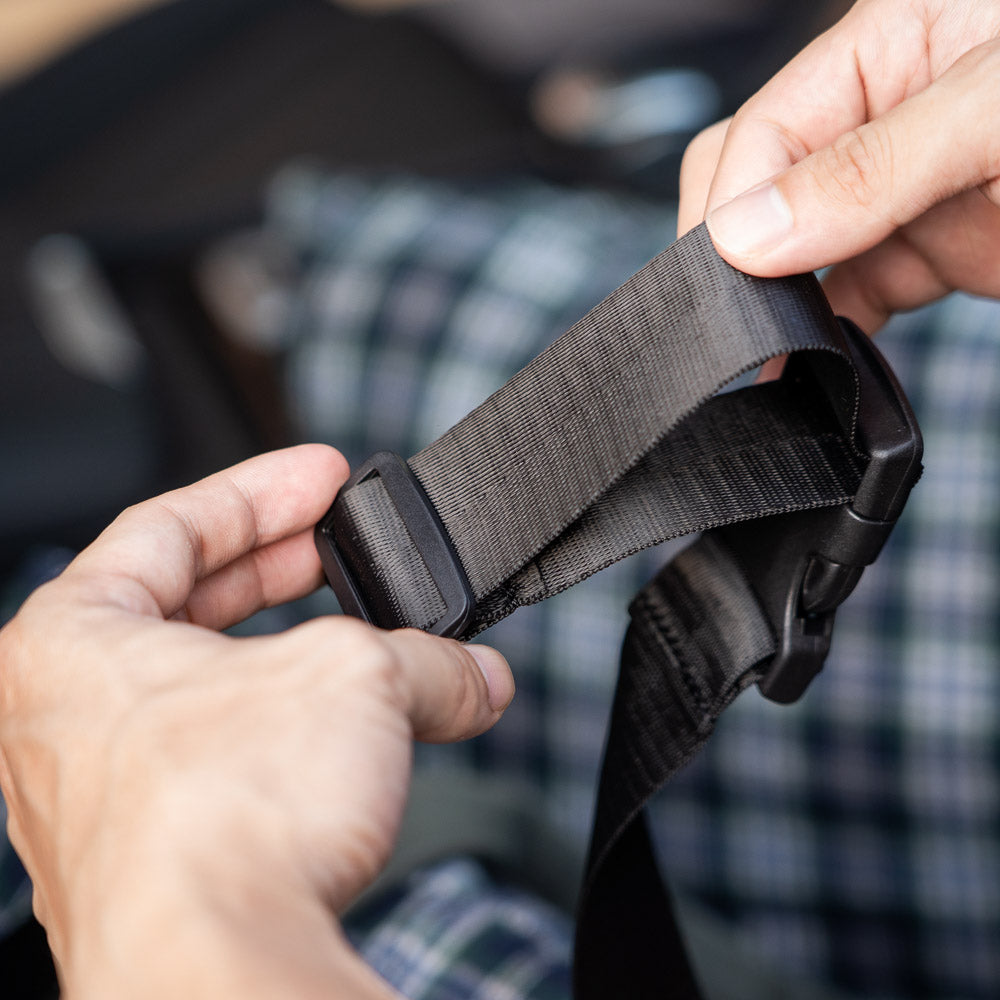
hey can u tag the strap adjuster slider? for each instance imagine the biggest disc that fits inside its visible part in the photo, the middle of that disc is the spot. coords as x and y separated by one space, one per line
429 535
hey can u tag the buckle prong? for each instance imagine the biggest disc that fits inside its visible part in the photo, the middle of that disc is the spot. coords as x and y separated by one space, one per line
832 555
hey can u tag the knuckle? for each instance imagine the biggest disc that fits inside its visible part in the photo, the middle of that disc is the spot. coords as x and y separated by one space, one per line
702 153
31 650
767 130
706 144
133 517
859 167
371 663
341 632
338 653
365 849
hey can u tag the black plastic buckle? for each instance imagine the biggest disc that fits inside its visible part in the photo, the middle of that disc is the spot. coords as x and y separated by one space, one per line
425 529
823 553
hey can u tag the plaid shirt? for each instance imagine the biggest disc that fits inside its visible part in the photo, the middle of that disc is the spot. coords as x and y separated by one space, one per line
853 838
451 932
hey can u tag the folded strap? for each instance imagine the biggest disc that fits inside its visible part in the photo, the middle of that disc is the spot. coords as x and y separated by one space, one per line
611 441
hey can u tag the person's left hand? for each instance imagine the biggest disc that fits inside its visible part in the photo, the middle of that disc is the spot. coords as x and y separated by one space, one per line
194 808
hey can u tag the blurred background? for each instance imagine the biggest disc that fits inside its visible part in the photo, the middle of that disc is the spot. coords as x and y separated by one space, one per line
231 225
138 132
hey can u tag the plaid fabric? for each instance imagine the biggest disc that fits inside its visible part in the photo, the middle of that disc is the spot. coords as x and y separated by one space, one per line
855 837
452 933
857 834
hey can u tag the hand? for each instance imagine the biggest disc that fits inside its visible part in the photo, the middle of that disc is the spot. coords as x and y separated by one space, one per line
880 146
193 808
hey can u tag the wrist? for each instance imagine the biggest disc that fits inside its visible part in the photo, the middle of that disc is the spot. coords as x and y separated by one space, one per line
171 913
240 938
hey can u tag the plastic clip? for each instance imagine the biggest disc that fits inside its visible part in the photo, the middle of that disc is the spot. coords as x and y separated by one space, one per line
812 560
425 529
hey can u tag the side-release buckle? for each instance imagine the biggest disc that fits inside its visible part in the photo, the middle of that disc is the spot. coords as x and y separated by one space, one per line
824 553
424 527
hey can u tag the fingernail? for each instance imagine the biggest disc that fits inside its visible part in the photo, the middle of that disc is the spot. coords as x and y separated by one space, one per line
753 223
499 679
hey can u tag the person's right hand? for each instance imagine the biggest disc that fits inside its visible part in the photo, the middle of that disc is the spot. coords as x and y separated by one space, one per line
876 149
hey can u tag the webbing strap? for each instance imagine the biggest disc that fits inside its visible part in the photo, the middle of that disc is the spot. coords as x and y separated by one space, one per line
698 637
611 441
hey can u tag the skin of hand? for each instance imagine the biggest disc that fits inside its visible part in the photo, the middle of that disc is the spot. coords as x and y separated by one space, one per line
876 149
193 808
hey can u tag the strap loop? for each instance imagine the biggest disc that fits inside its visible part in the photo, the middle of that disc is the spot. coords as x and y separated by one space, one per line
613 439
616 438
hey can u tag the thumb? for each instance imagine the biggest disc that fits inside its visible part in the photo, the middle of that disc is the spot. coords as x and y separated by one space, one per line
846 198
450 691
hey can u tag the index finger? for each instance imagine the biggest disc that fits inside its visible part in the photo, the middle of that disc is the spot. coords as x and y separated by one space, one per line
871 60
153 554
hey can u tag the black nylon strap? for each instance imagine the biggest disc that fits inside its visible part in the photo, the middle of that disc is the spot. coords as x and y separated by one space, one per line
614 439
698 637
610 441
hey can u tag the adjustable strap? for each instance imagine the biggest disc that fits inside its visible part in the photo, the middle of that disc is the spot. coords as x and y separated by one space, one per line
608 442
616 438
697 639
748 603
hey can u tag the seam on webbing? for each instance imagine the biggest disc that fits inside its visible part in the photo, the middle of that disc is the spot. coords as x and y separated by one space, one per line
670 638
